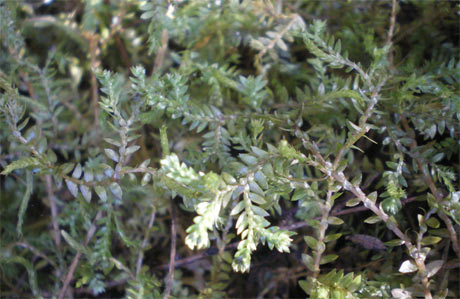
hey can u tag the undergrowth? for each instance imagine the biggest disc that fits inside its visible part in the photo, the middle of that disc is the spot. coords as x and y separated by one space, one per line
229 149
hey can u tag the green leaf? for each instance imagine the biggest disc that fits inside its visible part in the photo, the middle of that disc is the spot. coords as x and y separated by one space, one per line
256 198
299 193
308 261
248 159
113 142
146 179
144 164
395 242
373 219
237 209
332 220
313 223
111 154
332 237
407 267
261 179
30 272
328 258
228 178
73 188
66 168
86 192
24 202
373 196
21 163
353 202
306 287
132 149
311 242
74 244
430 240
100 191
391 205
433 267
338 294
355 284
116 190
77 171
433 222
259 211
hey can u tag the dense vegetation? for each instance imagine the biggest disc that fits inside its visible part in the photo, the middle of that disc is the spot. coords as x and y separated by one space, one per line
229 149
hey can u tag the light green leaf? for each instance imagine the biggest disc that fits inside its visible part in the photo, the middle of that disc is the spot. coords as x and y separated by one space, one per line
24 202
74 244
100 191
248 159
132 149
237 209
430 240
433 267
111 154
77 171
311 242
259 211
116 190
21 163
395 242
332 220
73 188
353 202
256 198
407 267
332 237
328 258
86 192
373 219
146 179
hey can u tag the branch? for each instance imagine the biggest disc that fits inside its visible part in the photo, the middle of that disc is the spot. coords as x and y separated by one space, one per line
429 181
172 256
159 59
54 213
144 242
76 259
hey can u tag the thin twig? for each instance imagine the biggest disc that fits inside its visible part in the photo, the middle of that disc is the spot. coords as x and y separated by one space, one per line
123 52
94 51
76 259
159 59
280 35
429 181
172 255
321 233
144 242
391 32
392 22
37 253
54 213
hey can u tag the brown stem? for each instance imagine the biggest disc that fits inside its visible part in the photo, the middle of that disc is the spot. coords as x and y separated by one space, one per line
392 22
37 253
325 208
94 50
124 54
356 190
144 242
159 59
76 259
172 255
54 213
429 181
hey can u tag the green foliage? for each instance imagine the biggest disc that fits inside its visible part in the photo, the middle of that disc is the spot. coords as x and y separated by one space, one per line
159 148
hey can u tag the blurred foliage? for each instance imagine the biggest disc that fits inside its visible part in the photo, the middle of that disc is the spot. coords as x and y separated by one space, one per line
210 149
